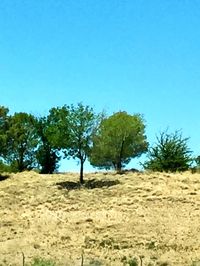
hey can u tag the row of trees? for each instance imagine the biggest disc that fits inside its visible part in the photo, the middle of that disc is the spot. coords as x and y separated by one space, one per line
30 142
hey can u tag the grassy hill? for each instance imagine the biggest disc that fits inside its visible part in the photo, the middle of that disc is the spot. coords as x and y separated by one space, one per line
109 221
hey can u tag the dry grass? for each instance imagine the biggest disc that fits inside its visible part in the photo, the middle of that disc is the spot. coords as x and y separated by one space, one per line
112 219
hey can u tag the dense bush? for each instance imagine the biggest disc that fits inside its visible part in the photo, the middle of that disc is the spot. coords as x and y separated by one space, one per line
171 153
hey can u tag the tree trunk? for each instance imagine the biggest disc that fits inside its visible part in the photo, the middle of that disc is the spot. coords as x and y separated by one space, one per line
119 167
119 163
20 164
81 172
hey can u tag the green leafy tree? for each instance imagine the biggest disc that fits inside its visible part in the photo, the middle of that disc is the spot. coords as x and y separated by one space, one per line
119 138
47 154
3 129
54 138
70 130
82 123
21 142
57 127
171 153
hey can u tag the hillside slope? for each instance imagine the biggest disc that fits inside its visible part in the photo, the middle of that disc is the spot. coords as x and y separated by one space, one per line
111 219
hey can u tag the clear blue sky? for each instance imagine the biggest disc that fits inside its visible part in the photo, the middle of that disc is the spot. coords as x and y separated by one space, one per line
140 56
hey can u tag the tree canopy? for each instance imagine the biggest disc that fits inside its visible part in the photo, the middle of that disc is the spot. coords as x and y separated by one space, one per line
21 142
82 123
47 154
53 134
118 139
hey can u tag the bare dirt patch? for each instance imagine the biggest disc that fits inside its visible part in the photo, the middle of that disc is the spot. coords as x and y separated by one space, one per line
110 219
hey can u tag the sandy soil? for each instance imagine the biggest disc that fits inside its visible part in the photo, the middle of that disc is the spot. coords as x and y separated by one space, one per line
110 220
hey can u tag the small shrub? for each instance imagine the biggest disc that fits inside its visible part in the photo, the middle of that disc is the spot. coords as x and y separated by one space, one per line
133 262
42 262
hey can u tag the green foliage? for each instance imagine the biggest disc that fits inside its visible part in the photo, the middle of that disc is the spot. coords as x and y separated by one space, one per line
21 141
3 128
119 138
69 129
4 168
42 262
109 142
47 158
171 153
133 262
47 155
53 133
57 127
197 161
82 123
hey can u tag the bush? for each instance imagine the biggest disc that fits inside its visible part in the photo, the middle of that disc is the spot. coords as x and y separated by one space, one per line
133 262
42 262
170 154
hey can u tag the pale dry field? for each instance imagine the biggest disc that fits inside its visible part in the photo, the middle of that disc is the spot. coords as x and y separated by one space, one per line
115 218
